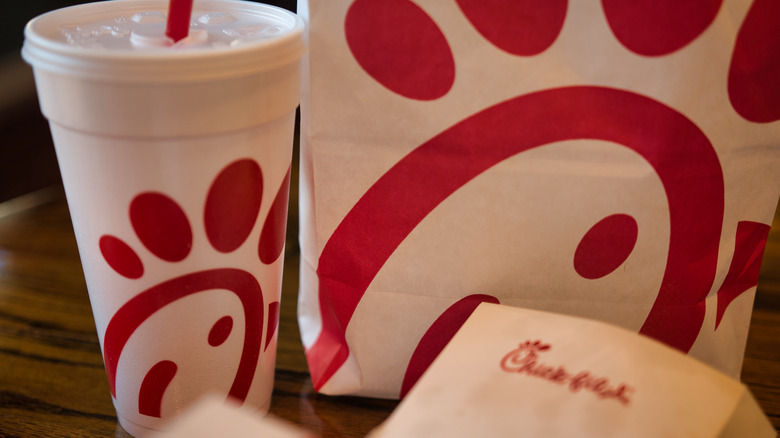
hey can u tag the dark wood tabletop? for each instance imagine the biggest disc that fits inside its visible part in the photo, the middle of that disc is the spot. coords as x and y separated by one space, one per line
52 380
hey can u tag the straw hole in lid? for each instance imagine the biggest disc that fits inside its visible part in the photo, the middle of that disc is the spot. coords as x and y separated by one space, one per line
150 37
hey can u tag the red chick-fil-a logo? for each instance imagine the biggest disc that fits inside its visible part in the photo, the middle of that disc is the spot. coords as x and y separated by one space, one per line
525 360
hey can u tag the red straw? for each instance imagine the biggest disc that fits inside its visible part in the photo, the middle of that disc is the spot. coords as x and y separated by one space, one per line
179 13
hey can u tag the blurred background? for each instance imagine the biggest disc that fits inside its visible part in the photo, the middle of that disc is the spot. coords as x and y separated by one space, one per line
27 160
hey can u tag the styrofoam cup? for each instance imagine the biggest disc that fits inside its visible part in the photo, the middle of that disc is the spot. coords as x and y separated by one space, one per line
175 161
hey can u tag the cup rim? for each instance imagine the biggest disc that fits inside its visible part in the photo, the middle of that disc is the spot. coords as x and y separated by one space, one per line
44 51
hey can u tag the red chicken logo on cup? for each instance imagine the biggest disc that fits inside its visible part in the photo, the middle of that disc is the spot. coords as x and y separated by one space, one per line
229 216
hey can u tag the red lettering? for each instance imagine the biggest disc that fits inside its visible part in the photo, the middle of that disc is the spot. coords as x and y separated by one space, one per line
525 360
560 375
579 381
623 393
599 386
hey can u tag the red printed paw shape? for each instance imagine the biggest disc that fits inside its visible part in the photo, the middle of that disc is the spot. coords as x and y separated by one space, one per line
229 215
415 61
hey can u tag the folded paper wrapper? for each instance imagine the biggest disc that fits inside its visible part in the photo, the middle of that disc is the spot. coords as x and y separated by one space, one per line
512 372
213 416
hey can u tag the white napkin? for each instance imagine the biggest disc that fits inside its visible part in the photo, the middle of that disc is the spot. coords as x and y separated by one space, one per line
214 417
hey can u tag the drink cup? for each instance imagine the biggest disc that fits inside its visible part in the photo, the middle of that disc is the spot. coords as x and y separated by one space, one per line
176 163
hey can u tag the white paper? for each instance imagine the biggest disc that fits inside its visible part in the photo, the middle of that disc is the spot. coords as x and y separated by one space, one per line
214 417
512 372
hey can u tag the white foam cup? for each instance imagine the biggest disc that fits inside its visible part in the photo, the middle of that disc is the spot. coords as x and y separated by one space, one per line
175 161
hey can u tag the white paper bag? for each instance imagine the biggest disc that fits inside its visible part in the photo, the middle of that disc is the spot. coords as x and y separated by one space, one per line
513 372
615 160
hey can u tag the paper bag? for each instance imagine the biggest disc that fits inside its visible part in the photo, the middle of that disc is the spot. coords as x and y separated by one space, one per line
513 372
615 160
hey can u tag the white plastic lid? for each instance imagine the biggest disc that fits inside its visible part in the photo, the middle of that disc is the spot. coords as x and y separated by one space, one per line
123 41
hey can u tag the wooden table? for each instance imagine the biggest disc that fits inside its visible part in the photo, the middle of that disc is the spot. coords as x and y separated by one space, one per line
52 381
